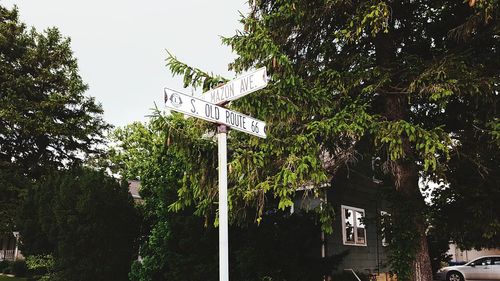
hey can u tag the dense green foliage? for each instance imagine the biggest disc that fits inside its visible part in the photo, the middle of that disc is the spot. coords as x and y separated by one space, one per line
466 210
86 221
175 246
328 84
46 121
438 249
183 246
141 154
18 268
45 118
416 81
282 248
40 267
13 187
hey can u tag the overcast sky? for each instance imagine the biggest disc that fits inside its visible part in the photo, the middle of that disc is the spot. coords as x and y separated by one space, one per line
121 44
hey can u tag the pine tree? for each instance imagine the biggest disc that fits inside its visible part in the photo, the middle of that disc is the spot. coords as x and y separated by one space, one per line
413 81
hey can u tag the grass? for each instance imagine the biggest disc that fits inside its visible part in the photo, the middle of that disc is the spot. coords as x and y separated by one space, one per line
7 278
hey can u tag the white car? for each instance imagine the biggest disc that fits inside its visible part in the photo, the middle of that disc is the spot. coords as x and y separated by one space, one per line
483 268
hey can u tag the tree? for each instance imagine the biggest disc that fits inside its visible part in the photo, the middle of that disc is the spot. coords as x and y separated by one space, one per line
412 81
86 221
45 118
46 121
175 246
465 210
12 188
183 246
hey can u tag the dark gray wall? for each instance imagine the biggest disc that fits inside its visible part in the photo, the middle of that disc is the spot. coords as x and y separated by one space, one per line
357 190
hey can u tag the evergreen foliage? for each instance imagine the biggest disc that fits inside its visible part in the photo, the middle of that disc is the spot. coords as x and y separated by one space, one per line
183 246
416 81
465 209
46 121
13 187
86 221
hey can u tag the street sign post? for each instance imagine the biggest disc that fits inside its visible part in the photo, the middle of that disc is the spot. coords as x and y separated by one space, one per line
223 213
207 109
238 87
213 113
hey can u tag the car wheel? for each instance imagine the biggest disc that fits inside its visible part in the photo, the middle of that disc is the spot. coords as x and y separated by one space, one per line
454 276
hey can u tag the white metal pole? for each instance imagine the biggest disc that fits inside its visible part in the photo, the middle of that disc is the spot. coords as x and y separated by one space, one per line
223 224
16 250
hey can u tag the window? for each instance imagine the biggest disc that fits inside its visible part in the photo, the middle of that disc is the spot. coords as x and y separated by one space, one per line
482 261
353 226
384 217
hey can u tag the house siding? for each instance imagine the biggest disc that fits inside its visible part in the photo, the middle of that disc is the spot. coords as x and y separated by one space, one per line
8 248
358 191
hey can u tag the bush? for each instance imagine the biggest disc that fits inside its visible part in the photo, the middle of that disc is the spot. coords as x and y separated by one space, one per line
90 226
7 270
19 268
39 264
3 265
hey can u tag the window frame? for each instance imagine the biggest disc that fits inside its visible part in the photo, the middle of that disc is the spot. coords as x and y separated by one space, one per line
355 227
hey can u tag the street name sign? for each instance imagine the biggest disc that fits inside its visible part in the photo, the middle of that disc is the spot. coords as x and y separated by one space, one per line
198 108
238 87
207 108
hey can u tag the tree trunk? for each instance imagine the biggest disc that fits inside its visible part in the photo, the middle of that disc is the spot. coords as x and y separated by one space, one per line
404 171
405 176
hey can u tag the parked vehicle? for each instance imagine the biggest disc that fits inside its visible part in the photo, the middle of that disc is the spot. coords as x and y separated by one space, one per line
483 268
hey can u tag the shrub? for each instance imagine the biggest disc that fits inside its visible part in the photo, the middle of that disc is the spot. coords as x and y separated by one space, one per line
3 265
18 268
86 220
7 270
39 264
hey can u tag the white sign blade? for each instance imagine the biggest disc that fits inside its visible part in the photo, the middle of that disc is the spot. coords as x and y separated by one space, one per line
210 112
238 87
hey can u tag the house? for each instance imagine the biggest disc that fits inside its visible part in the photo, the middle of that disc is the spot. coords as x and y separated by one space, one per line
9 247
359 205
358 200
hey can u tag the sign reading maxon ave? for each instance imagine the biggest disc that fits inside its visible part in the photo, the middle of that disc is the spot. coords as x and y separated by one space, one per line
238 87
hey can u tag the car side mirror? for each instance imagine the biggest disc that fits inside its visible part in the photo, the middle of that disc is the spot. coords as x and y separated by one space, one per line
473 264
